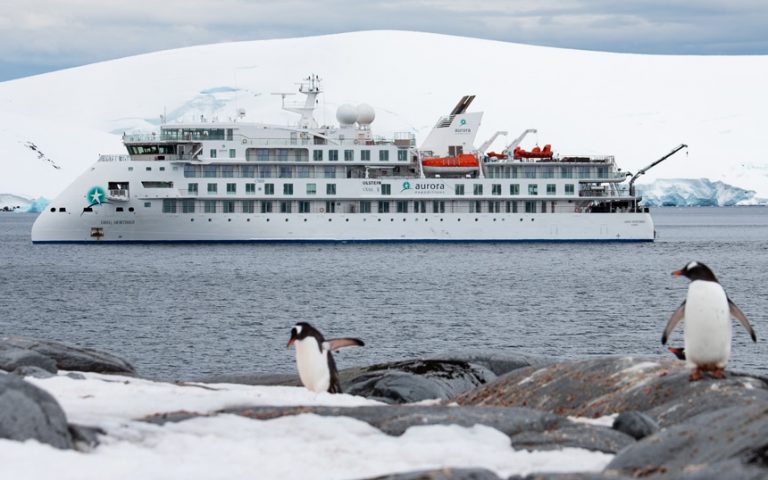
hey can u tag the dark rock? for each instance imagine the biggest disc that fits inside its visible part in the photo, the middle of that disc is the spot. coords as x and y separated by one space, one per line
635 424
415 380
569 476
576 435
591 388
76 376
498 363
738 433
12 357
443 474
85 436
72 358
30 371
28 412
729 469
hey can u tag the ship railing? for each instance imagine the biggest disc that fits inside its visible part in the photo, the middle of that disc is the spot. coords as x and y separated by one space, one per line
331 142
118 194
114 158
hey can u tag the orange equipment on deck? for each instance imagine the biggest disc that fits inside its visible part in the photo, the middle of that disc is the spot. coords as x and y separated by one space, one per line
536 152
463 160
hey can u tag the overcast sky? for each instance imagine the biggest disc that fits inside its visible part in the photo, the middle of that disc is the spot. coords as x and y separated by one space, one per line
43 35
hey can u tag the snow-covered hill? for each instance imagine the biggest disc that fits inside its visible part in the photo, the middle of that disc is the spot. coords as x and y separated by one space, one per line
688 192
636 107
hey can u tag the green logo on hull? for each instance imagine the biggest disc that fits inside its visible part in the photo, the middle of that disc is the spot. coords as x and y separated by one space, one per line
96 196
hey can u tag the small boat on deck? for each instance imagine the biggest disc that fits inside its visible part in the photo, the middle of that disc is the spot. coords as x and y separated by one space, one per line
462 163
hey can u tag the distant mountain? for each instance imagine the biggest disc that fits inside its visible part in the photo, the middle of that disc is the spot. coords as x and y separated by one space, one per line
689 192
16 203
635 107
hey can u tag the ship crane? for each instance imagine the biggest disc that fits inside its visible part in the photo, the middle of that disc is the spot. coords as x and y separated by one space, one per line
643 170
481 149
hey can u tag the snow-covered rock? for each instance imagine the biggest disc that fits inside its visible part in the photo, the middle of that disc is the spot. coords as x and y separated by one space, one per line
695 192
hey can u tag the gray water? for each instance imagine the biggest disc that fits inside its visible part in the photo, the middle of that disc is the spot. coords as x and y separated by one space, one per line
183 311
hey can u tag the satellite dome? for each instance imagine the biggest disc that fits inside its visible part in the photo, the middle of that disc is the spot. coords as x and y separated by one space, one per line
346 115
365 114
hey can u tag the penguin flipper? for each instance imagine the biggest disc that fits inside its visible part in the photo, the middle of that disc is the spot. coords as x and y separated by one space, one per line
673 320
337 343
739 315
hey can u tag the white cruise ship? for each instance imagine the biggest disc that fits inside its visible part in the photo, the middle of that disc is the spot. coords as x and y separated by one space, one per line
234 181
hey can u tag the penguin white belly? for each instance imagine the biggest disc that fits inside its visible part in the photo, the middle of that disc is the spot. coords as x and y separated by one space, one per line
312 365
707 331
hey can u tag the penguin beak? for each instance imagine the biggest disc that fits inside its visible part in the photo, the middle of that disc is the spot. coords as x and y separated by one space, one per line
677 273
290 342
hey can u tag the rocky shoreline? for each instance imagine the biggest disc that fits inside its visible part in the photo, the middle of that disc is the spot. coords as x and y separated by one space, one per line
641 410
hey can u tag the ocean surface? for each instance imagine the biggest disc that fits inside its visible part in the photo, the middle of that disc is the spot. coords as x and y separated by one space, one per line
187 311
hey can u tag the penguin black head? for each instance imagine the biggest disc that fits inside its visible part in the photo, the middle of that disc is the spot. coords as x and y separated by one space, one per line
302 330
696 271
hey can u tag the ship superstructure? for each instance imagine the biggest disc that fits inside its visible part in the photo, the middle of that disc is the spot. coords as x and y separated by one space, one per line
239 182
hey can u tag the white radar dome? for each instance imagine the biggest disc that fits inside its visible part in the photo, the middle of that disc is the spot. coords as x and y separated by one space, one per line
346 115
365 114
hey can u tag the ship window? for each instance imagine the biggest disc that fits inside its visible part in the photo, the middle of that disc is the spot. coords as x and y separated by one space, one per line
514 207
169 205
232 152
383 207
496 189
213 153
62 209
130 209
551 189
386 189
459 189
303 206
311 188
162 169
229 134
149 169
349 155
438 207
402 155
317 155
533 189
566 172
478 189
247 171
330 172
420 206
229 206
401 206
119 209
157 184
269 189
569 190
285 207
250 188
288 189
530 207
227 171
514 189
187 206
147 204
282 154
383 155
494 207
231 188
333 155
190 171
584 172
209 206
209 171
266 171
549 172
213 188
262 154
330 207
543 207
330 189
87 209
248 206
130 169
266 207
365 155
365 206
286 172
303 172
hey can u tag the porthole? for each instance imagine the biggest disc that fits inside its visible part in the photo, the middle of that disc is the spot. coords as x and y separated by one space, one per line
53 210
267 219
458 219
286 219
379 219
403 219
521 219
229 219
191 219
330 219
441 219
209 219
305 219
475 219
347 220
247 219
130 209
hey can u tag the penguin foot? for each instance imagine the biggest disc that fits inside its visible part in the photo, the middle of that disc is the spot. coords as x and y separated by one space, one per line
695 375
718 373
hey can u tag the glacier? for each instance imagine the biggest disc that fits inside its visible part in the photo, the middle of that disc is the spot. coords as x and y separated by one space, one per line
18 203
695 192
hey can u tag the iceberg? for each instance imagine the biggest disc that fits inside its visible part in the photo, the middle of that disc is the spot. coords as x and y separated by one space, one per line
695 192
18 203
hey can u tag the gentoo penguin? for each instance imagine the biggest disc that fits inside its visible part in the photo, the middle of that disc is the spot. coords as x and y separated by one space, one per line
314 359
706 311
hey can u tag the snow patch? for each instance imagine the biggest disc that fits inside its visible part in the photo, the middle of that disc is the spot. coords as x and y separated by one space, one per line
604 421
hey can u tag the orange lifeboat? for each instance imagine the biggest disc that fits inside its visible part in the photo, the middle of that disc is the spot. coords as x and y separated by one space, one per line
465 162
536 152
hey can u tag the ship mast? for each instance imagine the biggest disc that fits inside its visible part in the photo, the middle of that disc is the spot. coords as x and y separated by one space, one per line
310 87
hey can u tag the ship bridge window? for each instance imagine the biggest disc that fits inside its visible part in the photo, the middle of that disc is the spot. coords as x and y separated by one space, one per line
551 189
365 155
317 155
147 184
333 155
496 189
383 155
569 189
402 155
478 189
151 149
459 189
533 189
349 155
514 189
